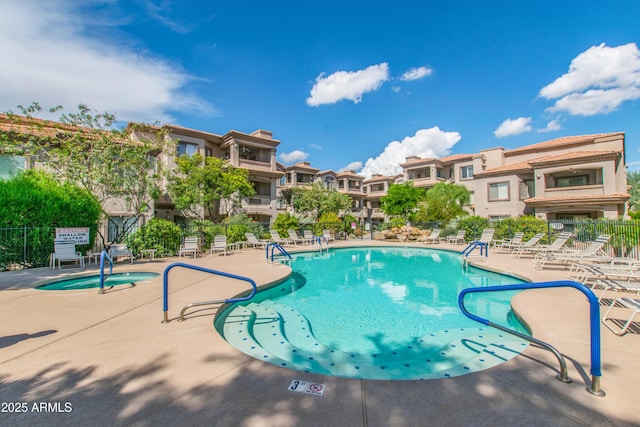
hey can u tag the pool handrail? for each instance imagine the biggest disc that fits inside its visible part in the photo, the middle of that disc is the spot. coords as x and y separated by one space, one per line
274 246
476 244
594 312
104 254
165 289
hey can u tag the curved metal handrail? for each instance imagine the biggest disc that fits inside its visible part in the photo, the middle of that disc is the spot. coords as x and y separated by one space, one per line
165 289
274 246
594 311
475 244
104 254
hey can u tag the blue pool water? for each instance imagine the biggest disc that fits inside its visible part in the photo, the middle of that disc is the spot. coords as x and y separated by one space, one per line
379 313
86 282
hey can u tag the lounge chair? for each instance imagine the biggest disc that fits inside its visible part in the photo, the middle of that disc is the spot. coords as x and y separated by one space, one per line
254 242
631 303
506 244
219 244
293 235
616 285
434 237
327 235
487 236
556 245
590 252
191 245
275 236
531 243
458 238
308 234
65 251
120 250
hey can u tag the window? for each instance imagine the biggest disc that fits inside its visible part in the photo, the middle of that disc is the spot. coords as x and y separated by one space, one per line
572 181
120 227
526 189
499 191
466 172
10 164
187 148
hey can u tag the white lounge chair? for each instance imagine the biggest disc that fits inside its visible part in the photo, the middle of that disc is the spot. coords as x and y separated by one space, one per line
293 235
219 245
506 244
308 234
556 245
191 245
327 235
590 251
254 242
458 238
631 303
434 237
64 252
120 250
531 243
275 236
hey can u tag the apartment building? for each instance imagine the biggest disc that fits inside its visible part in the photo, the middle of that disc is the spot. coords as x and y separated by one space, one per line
564 178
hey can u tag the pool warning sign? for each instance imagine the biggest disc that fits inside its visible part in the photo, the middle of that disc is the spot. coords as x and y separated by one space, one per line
307 387
77 235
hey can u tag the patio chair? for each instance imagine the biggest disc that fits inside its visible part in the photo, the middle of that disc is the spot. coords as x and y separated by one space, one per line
532 242
487 236
556 245
506 244
458 238
219 244
631 303
590 251
275 236
254 242
191 245
120 250
293 235
65 251
327 235
434 237
308 234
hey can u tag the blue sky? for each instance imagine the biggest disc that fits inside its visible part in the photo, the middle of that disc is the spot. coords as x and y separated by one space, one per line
343 85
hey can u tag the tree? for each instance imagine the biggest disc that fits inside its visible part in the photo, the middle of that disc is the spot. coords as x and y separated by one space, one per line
443 202
401 199
633 180
83 148
315 200
199 184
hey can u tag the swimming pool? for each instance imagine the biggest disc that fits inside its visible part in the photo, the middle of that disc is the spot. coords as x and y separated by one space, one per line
87 282
376 313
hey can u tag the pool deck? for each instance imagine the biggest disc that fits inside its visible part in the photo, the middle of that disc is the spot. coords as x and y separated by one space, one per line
79 358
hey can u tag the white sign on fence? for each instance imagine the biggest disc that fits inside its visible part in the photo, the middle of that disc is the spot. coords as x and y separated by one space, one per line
77 235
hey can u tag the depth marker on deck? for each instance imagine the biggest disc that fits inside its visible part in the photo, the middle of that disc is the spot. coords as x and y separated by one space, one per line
307 387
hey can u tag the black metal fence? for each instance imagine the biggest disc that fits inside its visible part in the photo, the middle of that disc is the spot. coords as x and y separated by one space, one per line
29 247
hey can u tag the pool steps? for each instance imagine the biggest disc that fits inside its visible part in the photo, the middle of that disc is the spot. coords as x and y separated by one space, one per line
278 334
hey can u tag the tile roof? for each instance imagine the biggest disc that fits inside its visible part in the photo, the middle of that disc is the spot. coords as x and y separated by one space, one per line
578 198
528 165
567 140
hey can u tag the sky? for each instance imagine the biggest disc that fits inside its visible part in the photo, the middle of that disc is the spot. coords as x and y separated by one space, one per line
343 85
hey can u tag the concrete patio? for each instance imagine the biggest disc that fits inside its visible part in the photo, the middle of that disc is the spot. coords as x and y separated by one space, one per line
79 358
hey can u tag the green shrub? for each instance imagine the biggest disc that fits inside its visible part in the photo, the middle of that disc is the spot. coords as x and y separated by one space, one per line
160 234
284 222
238 225
473 226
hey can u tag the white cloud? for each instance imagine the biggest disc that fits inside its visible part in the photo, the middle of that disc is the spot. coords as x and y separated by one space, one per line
416 73
54 62
353 166
598 81
431 142
294 156
319 147
551 126
513 127
349 85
